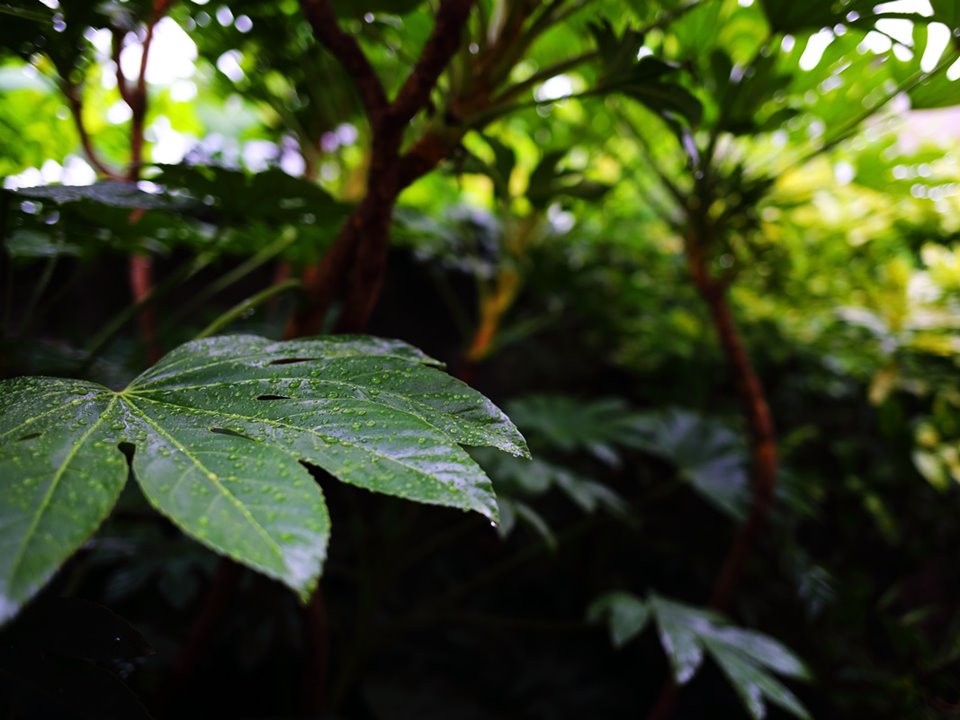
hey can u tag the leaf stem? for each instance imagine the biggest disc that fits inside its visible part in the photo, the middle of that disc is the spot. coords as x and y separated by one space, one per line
112 329
286 239
42 283
251 302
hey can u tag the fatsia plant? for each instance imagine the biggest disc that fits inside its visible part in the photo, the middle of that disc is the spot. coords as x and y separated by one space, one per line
748 659
217 433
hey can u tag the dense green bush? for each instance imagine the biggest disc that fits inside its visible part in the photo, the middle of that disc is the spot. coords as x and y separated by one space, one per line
704 254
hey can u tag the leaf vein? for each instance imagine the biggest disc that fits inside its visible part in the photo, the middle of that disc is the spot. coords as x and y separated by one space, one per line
213 478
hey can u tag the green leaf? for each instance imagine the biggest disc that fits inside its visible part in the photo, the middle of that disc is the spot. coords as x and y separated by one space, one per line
113 193
752 683
59 477
679 626
351 8
570 424
647 80
627 615
32 244
708 455
522 511
237 198
219 428
759 648
947 12
745 656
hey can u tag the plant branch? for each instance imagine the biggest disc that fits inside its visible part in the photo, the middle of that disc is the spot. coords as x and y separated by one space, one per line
242 307
122 88
113 328
444 40
763 444
345 48
203 633
355 264
676 193
140 272
756 412
264 255
75 102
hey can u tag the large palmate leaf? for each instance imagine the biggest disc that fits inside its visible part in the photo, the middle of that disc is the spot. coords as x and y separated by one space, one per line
218 430
112 193
707 454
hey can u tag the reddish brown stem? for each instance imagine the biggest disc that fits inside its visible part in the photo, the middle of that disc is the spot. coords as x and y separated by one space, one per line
346 49
667 701
74 100
202 636
443 42
140 265
316 631
763 446
140 269
756 411
355 265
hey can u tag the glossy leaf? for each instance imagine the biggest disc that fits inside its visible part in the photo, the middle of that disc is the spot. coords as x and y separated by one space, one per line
746 657
759 648
707 455
112 193
679 626
235 197
219 428
569 424
648 80
752 683
688 633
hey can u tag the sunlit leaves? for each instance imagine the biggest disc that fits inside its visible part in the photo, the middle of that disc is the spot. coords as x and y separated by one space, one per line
219 430
648 80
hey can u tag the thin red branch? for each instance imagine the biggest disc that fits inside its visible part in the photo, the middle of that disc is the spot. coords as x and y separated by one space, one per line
316 632
756 411
324 282
140 269
208 624
122 88
345 48
666 702
73 95
763 445
370 264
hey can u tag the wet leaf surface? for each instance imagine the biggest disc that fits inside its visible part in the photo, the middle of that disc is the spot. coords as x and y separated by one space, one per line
220 429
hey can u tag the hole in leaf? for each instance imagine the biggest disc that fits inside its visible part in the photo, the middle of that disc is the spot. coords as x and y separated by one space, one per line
233 433
129 450
318 473
28 436
272 397
289 361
